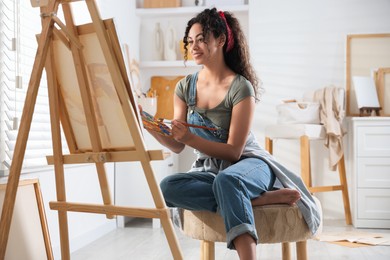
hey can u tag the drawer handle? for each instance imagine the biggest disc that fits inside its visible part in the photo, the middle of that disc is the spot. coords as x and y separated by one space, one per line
170 165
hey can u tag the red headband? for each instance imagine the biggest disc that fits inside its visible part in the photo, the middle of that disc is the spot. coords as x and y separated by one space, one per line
230 38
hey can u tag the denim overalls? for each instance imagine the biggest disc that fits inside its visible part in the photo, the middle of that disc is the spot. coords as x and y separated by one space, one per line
216 185
193 117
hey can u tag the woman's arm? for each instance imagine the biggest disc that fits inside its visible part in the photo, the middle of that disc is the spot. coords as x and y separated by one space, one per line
240 125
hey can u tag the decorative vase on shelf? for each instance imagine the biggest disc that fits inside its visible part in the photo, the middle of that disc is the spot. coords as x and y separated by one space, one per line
170 43
199 2
159 42
192 2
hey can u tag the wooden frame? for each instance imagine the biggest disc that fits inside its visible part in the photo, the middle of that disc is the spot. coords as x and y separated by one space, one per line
86 76
36 213
383 84
365 53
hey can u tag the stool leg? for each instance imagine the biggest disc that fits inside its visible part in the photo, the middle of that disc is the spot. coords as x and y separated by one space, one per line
344 185
305 161
268 145
301 250
207 250
286 252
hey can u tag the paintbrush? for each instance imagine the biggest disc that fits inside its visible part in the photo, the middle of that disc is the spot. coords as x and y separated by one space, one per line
189 125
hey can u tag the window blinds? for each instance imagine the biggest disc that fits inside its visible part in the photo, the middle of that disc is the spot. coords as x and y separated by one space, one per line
19 24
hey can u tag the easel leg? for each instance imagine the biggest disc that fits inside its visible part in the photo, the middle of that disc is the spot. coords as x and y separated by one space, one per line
171 236
57 153
24 129
102 175
160 204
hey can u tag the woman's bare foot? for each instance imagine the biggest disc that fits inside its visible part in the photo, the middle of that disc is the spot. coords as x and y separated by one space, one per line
282 196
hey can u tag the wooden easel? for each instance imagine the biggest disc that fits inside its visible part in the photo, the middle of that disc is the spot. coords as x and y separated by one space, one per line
92 140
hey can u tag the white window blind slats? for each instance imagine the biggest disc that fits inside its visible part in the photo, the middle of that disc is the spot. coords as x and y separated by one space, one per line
34 136
8 34
11 96
8 71
34 127
31 153
42 97
40 111
37 118
29 164
8 13
6 45
32 145
8 125
25 62
18 103
21 23
9 106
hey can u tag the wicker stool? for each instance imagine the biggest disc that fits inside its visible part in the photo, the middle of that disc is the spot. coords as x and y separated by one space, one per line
274 224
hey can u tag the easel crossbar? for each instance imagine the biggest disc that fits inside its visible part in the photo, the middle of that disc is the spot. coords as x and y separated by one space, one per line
103 157
110 209
65 30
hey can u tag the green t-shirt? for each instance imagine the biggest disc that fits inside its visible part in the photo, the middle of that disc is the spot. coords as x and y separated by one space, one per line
221 114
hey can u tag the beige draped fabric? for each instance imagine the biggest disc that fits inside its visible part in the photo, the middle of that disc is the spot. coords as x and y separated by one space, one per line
331 99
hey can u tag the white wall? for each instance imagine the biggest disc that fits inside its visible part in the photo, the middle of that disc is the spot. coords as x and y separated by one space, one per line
297 46
126 22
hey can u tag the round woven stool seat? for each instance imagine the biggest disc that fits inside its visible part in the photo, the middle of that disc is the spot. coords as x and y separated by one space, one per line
274 224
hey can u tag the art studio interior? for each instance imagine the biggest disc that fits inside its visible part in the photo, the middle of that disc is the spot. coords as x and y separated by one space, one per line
80 170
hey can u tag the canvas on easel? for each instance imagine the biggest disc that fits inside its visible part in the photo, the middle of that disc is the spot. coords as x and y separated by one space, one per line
91 98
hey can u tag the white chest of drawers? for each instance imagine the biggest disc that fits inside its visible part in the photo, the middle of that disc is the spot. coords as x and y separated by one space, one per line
369 160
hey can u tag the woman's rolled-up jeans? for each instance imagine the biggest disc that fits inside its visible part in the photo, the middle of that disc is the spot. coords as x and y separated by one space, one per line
229 193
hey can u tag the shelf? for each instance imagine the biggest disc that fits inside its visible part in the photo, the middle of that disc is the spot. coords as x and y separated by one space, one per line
370 118
167 64
177 11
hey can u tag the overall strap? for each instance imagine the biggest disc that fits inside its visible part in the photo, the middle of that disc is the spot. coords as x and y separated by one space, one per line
192 97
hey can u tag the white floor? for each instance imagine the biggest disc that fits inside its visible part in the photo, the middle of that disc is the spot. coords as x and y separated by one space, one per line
140 241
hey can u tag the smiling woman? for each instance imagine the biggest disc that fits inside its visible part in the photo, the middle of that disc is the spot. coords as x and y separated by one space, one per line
232 172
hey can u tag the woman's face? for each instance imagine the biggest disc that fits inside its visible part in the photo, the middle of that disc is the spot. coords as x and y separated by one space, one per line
201 49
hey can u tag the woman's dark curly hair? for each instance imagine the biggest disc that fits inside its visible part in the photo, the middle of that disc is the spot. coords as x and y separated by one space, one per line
237 59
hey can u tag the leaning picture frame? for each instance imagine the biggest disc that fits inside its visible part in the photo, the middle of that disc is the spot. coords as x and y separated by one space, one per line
29 233
367 55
